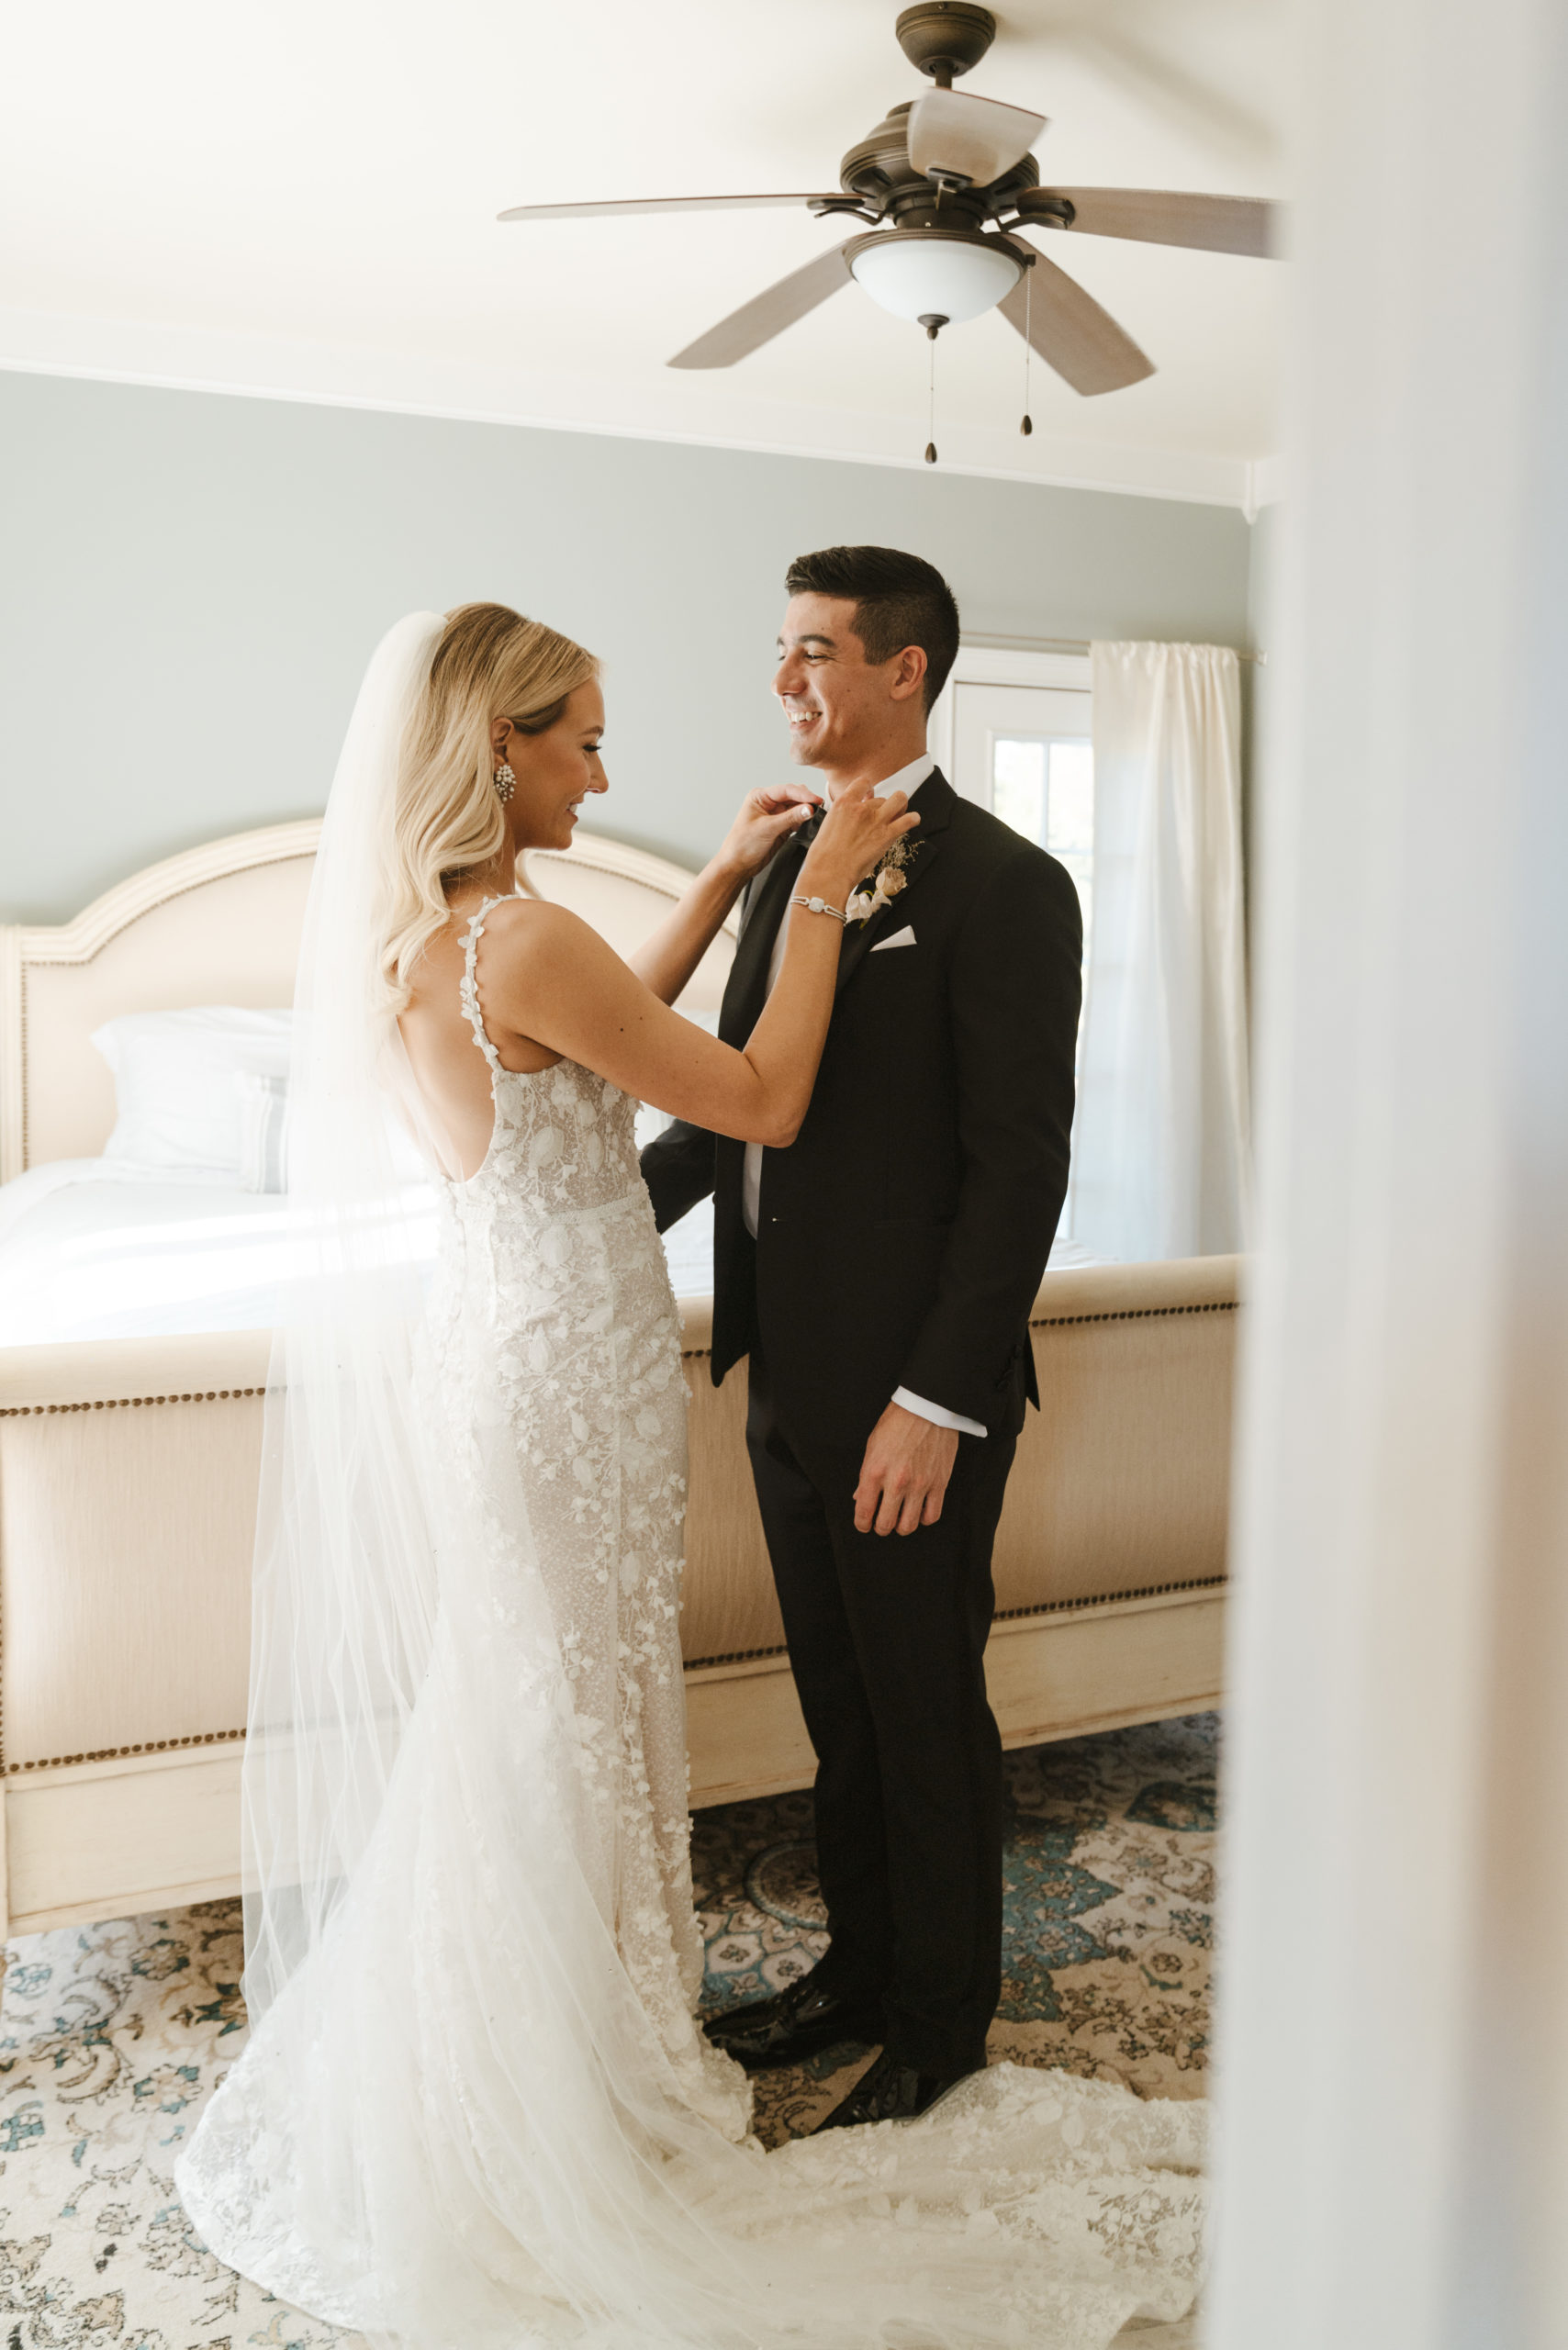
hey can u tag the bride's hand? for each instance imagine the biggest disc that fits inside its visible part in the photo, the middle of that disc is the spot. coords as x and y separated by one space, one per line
766 818
855 835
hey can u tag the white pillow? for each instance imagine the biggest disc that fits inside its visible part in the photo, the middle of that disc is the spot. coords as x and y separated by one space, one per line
180 1116
264 1132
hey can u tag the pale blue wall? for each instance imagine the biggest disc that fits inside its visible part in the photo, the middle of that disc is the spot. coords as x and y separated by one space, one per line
190 585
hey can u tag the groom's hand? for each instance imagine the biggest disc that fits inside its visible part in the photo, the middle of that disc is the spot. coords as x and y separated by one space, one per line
904 1474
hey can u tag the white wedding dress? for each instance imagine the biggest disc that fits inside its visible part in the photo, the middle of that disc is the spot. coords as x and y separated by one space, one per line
475 2112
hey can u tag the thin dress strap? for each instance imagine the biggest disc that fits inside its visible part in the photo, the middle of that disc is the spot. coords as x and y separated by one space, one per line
468 986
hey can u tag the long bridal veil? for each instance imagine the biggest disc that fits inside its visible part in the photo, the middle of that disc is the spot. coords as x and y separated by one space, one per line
455 2122
344 1589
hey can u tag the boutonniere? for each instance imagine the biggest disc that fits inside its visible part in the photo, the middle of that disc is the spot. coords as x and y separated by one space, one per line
883 886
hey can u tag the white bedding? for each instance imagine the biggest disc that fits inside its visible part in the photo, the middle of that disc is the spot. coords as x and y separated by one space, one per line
87 1252
121 1247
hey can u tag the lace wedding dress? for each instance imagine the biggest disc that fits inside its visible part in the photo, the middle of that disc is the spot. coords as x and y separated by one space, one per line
475 2111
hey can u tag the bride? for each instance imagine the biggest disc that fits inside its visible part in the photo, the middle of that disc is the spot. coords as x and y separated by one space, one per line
475 2111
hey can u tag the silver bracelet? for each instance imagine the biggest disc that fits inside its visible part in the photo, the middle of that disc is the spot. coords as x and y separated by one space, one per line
819 906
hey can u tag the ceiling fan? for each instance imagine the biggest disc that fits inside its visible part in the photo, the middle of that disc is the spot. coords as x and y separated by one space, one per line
945 184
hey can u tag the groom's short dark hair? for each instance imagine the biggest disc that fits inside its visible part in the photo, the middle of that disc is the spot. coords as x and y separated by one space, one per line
899 599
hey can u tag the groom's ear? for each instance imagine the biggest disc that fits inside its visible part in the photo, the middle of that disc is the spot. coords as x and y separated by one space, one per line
908 673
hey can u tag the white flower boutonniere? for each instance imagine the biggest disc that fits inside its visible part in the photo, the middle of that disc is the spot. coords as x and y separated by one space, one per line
890 878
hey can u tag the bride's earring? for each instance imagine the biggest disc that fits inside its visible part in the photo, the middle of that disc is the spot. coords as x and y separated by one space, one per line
504 781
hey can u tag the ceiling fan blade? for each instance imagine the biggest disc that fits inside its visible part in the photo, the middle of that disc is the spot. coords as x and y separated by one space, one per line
972 139
1210 224
765 315
1070 331
624 208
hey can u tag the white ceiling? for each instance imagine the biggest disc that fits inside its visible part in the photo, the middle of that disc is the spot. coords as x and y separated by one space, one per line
298 196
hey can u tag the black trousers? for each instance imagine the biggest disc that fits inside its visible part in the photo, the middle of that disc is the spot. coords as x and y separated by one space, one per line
887 1637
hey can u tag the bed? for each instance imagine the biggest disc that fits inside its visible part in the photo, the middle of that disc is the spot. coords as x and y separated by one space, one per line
133 1353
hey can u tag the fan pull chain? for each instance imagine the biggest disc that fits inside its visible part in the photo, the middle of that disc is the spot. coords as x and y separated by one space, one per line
930 403
1028 424
932 321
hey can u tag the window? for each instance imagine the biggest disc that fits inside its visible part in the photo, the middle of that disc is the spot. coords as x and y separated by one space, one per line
1012 731
1043 785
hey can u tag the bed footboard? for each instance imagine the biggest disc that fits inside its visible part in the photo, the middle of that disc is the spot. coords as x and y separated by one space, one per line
128 1482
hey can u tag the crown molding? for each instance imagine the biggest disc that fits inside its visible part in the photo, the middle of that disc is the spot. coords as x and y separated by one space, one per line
194 359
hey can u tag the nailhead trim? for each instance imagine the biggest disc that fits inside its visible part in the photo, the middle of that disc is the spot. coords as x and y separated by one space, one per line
1002 1616
735 1656
130 1403
690 1354
1064 1322
1137 1313
117 1754
120 1403
1109 1598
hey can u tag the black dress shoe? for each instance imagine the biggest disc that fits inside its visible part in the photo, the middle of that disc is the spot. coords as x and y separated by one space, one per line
794 2024
888 2091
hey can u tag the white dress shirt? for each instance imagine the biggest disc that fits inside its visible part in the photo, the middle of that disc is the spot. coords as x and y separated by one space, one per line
908 780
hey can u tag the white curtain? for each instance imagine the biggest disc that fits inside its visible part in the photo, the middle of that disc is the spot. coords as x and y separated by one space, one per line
1392 2065
1160 1144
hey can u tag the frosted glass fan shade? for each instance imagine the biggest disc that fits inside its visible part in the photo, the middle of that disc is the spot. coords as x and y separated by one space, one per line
924 272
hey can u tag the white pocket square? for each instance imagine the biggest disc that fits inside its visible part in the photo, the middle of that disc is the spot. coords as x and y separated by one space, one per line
904 937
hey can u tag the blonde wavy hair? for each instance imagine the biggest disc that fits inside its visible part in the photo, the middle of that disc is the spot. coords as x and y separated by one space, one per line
490 662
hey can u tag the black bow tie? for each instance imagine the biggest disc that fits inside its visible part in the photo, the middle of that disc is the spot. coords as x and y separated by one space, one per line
807 832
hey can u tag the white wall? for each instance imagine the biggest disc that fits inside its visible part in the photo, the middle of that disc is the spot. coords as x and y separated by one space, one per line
190 585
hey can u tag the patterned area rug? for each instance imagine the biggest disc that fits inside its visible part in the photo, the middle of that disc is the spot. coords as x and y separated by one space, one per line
112 2037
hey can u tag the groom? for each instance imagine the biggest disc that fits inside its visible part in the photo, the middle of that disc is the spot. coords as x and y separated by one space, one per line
880 1273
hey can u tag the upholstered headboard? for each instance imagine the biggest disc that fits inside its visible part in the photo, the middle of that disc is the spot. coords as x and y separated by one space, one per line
221 925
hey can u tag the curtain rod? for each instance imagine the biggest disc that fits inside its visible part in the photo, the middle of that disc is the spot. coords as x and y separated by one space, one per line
1078 645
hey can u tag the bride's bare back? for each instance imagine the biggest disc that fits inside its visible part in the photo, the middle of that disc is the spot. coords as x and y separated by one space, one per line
553 989
451 1073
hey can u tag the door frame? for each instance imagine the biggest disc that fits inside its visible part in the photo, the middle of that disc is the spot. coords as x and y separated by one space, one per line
985 665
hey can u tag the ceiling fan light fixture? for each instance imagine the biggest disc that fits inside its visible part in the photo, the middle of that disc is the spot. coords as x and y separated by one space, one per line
920 273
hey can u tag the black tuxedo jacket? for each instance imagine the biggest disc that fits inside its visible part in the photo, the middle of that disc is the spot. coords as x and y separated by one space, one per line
903 1234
